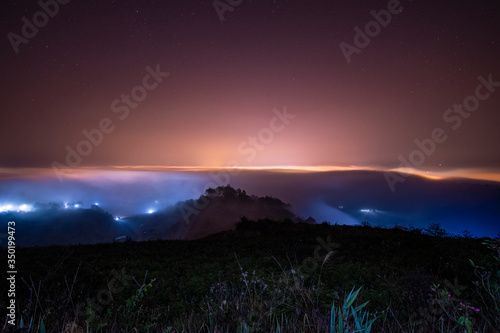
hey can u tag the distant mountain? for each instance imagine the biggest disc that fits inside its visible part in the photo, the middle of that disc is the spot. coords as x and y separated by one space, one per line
217 210
52 224
222 208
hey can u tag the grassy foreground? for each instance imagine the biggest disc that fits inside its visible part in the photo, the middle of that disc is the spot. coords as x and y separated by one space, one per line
264 277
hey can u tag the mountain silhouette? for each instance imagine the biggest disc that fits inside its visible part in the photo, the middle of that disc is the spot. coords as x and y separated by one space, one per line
218 209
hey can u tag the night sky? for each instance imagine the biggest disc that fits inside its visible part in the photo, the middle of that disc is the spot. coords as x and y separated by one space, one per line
323 84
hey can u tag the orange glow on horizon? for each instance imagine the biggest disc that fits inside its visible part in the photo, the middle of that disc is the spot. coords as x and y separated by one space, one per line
84 172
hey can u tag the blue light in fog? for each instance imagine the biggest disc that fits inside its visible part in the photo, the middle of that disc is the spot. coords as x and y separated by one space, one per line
6 208
25 208
12 208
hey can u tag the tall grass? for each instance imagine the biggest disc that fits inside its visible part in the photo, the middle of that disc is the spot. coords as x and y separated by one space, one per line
279 300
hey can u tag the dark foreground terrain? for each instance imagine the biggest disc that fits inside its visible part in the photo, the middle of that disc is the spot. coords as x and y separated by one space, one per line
264 276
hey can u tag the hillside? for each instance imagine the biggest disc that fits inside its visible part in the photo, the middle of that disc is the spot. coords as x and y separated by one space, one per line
405 275
217 210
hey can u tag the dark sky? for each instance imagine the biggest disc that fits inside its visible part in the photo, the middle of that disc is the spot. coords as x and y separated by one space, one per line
225 78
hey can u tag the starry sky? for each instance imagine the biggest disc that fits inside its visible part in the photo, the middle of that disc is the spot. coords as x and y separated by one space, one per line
253 83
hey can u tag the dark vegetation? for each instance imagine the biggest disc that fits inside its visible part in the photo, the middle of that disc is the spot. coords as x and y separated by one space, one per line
264 276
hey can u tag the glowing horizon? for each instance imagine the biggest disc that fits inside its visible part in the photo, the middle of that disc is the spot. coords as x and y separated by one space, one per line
485 174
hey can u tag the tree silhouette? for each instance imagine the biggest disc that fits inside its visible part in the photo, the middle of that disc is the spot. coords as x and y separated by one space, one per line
435 230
